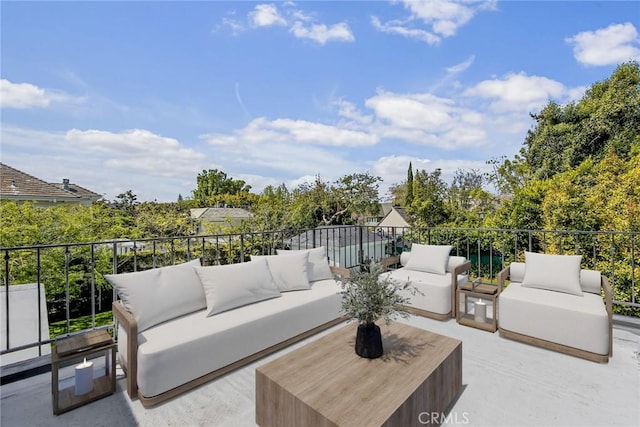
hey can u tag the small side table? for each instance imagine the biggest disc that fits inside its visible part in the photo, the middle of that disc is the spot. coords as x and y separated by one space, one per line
70 350
469 295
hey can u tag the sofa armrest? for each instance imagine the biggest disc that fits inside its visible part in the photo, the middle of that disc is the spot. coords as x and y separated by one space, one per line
608 300
458 269
130 326
503 275
389 261
341 271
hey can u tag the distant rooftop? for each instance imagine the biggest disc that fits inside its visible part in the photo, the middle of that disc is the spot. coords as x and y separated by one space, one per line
20 186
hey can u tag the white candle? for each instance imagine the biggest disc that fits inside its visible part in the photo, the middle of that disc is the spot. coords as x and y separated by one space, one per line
84 377
480 311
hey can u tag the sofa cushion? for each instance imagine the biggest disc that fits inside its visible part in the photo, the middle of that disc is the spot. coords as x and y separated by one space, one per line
579 322
560 273
289 271
234 285
591 281
157 295
318 265
434 289
429 258
516 271
191 346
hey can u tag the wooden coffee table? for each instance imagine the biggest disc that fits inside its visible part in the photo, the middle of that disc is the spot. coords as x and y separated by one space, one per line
325 383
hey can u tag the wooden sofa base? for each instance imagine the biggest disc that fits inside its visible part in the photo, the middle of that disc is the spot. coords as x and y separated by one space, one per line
429 314
571 351
169 394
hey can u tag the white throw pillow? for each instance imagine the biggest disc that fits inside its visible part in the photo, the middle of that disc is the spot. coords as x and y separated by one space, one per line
318 265
289 271
230 286
429 258
160 294
560 273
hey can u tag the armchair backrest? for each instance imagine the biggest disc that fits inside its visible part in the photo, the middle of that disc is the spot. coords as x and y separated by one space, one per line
590 280
454 261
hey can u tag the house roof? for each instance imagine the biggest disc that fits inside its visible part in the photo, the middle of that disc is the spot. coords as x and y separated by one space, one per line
77 190
220 214
400 211
17 185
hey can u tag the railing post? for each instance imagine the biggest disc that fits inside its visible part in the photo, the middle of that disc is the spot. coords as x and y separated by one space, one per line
67 255
361 247
93 288
633 269
38 267
6 293
241 247
135 256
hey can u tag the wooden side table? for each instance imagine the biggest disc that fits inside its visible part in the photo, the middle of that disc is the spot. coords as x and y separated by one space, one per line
474 292
72 350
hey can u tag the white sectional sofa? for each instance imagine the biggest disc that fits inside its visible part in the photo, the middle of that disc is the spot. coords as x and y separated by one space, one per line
435 274
553 303
183 325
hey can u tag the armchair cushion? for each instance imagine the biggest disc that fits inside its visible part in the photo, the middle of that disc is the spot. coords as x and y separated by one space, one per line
429 258
157 295
235 285
560 273
289 271
318 266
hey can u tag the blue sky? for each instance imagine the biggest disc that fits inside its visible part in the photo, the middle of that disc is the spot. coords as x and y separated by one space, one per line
145 95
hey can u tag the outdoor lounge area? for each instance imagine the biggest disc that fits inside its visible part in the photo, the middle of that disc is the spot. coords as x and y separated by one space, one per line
491 378
504 383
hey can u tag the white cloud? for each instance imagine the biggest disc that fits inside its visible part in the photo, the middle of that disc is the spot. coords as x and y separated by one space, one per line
426 119
108 163
518 92
138 150
612 45
349 111
441 18
26 95
266 15
394 27
22 95
322 33
235 25
263 131
458 68
300 24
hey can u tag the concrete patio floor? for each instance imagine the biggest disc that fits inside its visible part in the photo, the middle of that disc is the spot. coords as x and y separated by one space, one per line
505 383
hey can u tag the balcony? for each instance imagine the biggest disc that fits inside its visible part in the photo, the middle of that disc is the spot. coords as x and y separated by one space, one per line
504 382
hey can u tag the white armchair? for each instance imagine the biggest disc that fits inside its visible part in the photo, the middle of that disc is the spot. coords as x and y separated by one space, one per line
552 303
435 274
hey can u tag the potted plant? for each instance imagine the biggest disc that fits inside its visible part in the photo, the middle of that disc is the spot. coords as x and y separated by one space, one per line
367 298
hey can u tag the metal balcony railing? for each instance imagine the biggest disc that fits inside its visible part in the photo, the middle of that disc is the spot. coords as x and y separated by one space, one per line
74 286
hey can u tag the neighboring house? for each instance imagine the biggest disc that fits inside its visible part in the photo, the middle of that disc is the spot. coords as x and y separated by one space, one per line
395 222
219 217
343 244
372 221
20 187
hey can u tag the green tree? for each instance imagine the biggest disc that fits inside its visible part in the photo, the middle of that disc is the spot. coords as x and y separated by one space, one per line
409 199
272 210
429 206
468 202
212 183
